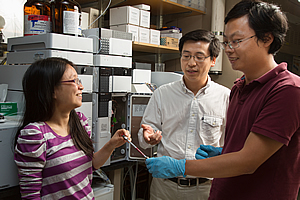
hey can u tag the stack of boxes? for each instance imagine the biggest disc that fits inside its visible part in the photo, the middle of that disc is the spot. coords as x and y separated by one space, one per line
170 37
135 20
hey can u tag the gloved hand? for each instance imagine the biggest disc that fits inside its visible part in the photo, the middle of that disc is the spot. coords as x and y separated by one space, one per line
165 167
207 151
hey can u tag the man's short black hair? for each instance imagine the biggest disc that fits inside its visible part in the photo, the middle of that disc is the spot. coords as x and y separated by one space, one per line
205 36
264 18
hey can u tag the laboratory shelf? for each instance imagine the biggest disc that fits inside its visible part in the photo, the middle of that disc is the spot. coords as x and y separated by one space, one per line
158 7
152 48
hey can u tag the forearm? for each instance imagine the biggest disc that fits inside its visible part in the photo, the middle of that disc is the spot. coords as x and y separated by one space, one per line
225 165
30 184
101 156
256 151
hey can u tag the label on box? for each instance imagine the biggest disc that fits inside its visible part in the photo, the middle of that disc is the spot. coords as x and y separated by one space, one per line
9 108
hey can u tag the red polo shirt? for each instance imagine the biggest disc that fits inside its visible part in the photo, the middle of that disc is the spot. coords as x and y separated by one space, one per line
269 105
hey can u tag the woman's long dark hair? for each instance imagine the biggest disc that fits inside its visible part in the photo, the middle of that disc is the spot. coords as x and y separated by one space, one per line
39 82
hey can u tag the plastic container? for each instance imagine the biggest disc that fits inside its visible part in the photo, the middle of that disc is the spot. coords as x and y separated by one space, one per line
37 17
66 15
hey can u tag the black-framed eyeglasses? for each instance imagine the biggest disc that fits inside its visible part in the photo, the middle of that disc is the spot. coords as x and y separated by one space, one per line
75 80
235 43
198 58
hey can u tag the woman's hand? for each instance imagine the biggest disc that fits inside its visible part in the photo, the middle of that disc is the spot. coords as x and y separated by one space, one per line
104 153
118 140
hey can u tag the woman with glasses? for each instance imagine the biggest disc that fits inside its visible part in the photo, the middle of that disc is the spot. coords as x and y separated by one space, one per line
53 149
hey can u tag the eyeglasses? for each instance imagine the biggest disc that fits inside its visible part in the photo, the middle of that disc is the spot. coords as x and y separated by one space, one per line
75 80
235 43
199 58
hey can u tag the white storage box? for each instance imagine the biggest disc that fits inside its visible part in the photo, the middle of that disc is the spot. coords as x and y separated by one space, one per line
145 18
142 7
124 15
154 36
129 29
144 35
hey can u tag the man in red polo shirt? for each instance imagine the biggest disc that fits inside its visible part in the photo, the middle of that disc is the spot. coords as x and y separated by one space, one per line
261 154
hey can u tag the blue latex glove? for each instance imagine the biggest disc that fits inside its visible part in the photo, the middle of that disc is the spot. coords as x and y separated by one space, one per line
207 151
165 167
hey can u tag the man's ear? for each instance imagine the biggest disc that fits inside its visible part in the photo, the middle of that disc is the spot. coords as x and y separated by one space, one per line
268 39
213 61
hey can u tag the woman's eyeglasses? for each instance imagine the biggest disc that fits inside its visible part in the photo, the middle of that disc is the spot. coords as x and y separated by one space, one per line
75 80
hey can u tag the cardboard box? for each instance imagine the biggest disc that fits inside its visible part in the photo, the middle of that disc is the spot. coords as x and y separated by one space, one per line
154 37
129 29
172 35
144 35
169 42
124 15
9 108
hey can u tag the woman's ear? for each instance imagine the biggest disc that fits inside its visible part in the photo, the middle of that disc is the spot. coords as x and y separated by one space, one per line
54 93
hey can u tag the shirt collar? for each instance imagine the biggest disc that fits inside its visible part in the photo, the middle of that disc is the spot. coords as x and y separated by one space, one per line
272 73
204 89
264 78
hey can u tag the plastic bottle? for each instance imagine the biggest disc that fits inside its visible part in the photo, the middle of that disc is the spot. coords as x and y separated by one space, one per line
37 17
66 15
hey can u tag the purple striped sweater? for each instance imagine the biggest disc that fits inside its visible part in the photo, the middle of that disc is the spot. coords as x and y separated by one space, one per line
50 166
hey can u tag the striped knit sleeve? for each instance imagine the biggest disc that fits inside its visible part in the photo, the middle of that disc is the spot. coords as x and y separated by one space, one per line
30 157
84 122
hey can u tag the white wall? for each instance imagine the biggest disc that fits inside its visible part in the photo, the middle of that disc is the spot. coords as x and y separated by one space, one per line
12 12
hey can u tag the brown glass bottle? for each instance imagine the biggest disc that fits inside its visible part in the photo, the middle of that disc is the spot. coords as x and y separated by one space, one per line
66 16
37 17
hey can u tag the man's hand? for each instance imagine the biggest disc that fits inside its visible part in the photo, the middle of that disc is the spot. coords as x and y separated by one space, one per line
165 167
207 151
149 136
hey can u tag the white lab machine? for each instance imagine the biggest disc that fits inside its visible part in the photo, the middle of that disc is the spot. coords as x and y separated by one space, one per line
107 41
26 50
121 83
103 135
103 191
28 57
160 78
50 41
141 76
112 61
8 168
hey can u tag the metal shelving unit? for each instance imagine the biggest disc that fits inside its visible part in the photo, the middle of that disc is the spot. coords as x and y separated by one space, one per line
158 8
